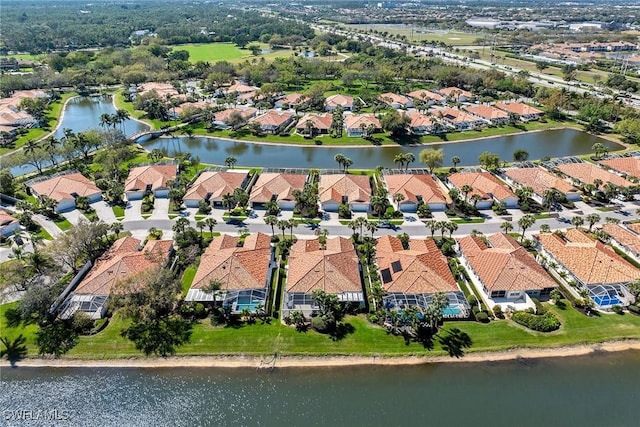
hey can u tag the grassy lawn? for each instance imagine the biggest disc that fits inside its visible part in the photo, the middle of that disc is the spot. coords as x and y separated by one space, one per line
187 279
62 223
468 221
213 52
29 331
26 56
118 211
453 38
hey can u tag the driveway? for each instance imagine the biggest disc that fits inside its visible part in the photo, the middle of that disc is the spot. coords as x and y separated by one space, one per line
104 211
74 216
47 224
133 211
160 209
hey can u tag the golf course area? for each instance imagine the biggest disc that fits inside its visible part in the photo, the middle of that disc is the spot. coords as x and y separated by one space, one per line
212 52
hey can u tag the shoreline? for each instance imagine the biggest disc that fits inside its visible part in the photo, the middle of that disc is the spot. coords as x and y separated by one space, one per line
329 361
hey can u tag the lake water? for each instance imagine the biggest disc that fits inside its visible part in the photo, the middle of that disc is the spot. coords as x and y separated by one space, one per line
552 143
585 391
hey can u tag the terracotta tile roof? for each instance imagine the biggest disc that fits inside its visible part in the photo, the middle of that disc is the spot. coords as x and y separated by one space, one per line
335 100
539 180
355 121
624 237
215 184
483 183
426 95
154 175
63 187
635 226
455 91
224 115
292 99
518 108
122 261
334 270
587 173
281 185
591 261
192 105
241 88
454 115
6 219
333 187
273 118
411 186
487 112
420 120
9 117
505 265
322 121
626 165
413 271
236 268
162 89
393 98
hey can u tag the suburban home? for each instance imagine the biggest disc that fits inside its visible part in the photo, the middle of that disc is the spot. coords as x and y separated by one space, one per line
427 96
211 186
359 125
491 114
524 112
591 264
292 100
588 173
333 268
188 108
485 185
503 272
221 119
240 88
541 180
277 187
163 90
8 224
273 122
624 238
411 277
629 166
421 124
335 189
459 119
236 275
333 101
456 94
152 178
416 188
320 124
396 101
16 118
114 273
64 189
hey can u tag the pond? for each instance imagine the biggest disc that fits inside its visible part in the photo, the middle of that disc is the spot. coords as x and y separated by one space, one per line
551 143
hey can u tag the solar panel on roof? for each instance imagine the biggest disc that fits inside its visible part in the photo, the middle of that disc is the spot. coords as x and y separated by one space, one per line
386 275
396 266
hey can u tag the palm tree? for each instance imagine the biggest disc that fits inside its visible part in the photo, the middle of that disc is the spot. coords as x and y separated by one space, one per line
466 189
339 158
379 203
551 196
116 227
408 159
201 226
230 161
398 197
372 227
577 221
353 225
122 116
455 160
592 218
283 224
210 223
506 227
292 223
106 120
347 163
451 227
14 350
399 159
50 145
526 222
271 220
228 201
432 225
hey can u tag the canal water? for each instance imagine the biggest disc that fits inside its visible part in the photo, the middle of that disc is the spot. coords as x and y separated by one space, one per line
585 391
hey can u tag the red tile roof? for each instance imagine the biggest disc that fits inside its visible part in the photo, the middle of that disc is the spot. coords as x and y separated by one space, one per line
411 186
335 100
333 187
224 115
282 185
487 112
539 180
62 187
518 108
322 121
626 165
215 184
483 183
393 98
6 219
426 95
356 121
455 92
587 173
154 175
623 236
273 118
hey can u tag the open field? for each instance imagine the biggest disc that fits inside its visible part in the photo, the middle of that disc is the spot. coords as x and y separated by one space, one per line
418 34
212 52
26 56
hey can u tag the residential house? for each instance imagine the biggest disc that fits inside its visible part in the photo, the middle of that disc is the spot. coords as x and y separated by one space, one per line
235 274
524 112
221 119
64 189
187 109
456 94
320 123
212 186
503 272
332 268
540 180
458 119
292 100
411 277
333 101
114 273
164 91
592 265
487 186
625 238
274 122
240 88
153 178
277 187
427 96
360 125
335 189
421 124
490 114
629 166
396 101
8 224
415 189
588 173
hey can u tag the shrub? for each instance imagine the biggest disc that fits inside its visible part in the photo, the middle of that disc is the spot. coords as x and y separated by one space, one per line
450 212
540 309
473 301
81 322
482 317
634 309
200 311
497 311
344 211
475 309
544 323
319 324
617 309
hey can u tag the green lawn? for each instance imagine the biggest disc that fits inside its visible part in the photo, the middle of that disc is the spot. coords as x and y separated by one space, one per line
453 38
187 279
118 211
43 234
29 331
26 56
62 223
213 52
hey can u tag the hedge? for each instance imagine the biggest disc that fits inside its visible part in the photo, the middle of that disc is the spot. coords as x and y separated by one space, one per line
542 323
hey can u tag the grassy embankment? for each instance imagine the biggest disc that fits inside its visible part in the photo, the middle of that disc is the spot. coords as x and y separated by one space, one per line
366 339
